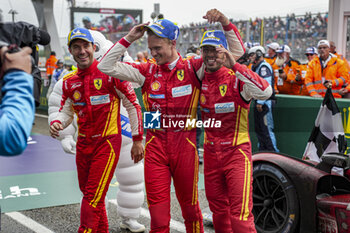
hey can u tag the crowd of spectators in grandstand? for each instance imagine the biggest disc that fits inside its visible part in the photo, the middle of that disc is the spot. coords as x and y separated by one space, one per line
298 32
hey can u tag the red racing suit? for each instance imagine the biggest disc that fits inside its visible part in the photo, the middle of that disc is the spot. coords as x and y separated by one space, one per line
225 97
170 152
95 98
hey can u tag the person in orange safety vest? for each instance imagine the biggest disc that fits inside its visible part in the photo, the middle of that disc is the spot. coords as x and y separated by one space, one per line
289 79
326 68
310 53
332 48
50 65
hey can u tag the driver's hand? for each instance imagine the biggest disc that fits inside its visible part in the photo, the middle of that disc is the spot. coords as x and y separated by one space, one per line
137 151
136 32
54 129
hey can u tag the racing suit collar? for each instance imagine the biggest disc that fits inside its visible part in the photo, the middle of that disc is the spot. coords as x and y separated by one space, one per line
89 69
214 75
170 66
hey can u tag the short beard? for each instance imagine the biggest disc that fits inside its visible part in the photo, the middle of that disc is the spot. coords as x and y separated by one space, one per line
280 61
214 69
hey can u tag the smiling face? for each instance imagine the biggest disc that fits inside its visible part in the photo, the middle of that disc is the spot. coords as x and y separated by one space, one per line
209 55
82 52
162 50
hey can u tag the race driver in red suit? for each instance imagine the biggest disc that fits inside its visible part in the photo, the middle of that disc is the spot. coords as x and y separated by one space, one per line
225 97
171 87
95 98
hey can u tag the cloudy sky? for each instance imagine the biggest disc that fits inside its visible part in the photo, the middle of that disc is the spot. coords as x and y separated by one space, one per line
181 11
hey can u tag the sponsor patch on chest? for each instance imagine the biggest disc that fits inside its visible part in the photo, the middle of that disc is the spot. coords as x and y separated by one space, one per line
155 86
76 95
157 96
181 90
224 107
75 85
99 99
204 87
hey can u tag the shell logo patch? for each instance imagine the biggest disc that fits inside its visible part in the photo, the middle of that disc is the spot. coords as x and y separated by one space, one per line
155 86
231 72
77 95
180 74
98 83
223 89
203 99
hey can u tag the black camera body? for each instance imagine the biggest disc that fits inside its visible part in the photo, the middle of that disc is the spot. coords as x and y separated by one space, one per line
20 34
244 59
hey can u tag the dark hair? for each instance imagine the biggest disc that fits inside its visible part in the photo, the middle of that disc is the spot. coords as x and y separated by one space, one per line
53 53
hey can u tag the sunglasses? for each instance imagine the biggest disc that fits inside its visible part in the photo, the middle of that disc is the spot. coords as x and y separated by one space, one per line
308 55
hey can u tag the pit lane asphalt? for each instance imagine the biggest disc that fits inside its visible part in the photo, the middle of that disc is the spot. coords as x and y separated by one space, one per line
65 219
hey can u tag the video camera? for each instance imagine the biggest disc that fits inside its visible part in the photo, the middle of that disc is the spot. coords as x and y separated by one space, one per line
24 34
244 59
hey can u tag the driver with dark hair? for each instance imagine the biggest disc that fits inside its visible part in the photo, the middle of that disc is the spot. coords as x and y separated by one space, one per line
227 89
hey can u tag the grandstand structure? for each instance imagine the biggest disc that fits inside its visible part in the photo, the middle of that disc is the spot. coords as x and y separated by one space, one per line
299 32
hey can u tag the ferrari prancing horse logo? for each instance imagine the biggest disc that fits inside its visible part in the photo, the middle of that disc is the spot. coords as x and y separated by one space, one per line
180 74
223 89
98 83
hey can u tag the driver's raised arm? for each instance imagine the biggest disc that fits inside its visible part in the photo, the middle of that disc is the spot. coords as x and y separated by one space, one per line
233 37
110 63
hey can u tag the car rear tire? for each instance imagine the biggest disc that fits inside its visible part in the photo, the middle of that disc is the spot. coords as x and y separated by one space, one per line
275 203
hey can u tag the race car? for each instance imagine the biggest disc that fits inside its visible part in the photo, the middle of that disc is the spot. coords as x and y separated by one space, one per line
292 195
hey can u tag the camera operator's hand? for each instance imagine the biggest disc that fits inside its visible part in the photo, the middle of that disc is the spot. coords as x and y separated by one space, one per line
19 60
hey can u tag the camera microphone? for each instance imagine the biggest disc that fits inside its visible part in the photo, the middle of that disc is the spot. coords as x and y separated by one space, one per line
44 38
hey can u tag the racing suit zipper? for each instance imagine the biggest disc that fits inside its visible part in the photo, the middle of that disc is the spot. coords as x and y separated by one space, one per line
87 97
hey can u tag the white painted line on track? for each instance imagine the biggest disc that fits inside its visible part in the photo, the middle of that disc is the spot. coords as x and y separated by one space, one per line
28 222
41 115
175 225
